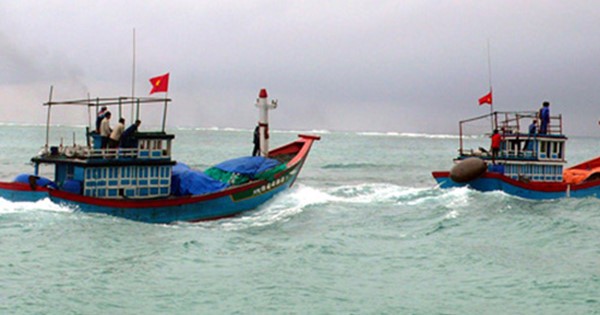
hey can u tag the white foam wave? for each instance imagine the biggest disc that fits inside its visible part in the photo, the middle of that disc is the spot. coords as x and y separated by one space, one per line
289 204
430 136
314 131
280 209
41 205
374 192
232 129
454 200
296 200
186 128
377 134
407 135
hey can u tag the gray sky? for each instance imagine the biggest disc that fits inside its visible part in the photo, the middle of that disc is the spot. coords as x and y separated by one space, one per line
400 66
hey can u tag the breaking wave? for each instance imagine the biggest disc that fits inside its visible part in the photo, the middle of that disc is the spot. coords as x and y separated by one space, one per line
302 198
45 204
407 135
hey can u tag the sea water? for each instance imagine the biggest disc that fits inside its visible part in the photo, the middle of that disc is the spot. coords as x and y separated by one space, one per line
364 230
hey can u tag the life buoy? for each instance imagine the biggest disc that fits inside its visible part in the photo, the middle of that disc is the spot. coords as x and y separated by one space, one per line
467 170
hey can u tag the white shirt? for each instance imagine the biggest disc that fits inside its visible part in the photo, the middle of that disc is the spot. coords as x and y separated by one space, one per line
117 132
105 127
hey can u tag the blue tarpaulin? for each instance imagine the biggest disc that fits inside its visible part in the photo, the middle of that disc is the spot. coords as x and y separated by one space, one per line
186 181
39 181
248 165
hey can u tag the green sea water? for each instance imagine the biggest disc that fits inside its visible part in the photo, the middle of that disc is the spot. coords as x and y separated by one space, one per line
363 231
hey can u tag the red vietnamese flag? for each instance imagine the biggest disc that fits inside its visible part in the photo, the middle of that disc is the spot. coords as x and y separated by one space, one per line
486 99
160 83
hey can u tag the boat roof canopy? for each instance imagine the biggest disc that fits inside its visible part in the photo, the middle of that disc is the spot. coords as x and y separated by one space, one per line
110 101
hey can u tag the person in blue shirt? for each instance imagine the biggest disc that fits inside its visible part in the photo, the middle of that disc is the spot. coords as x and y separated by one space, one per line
533 127
532 130
544 118
127 140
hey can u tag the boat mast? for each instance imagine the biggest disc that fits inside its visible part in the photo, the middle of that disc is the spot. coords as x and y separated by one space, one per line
164 122
490 83
48 119
132 78
263 121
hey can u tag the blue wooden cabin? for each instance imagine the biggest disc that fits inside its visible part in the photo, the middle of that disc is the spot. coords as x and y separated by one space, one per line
142 171
522 156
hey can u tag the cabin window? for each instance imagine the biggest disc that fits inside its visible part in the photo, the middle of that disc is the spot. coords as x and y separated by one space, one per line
559 149
151 181
544 149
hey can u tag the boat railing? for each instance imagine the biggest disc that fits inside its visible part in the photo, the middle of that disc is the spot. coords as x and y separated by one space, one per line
85 152
510 124
518 122
118 103
113 153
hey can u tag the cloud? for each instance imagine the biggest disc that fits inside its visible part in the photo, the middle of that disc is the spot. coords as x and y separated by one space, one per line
354 65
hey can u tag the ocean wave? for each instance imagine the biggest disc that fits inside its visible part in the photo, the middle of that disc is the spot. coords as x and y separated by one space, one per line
454 197
45 204
377 134
228 129
354 165
375 193
182 128
280 209
430 136
232 129
407 135
295 201
313 131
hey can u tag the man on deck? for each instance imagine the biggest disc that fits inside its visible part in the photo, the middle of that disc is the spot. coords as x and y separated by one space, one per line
532 130
256 141
496 141
115 135
100 117
127 140
544 118
105 129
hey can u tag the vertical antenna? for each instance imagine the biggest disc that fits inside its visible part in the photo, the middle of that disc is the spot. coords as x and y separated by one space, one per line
164 122
489 64
90 112
93 127
133 77
490 82
48 118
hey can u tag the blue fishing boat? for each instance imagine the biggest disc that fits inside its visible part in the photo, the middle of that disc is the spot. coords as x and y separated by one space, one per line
528 165
139 179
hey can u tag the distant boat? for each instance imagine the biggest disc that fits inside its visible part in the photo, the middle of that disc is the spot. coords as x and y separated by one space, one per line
144 183
527 165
